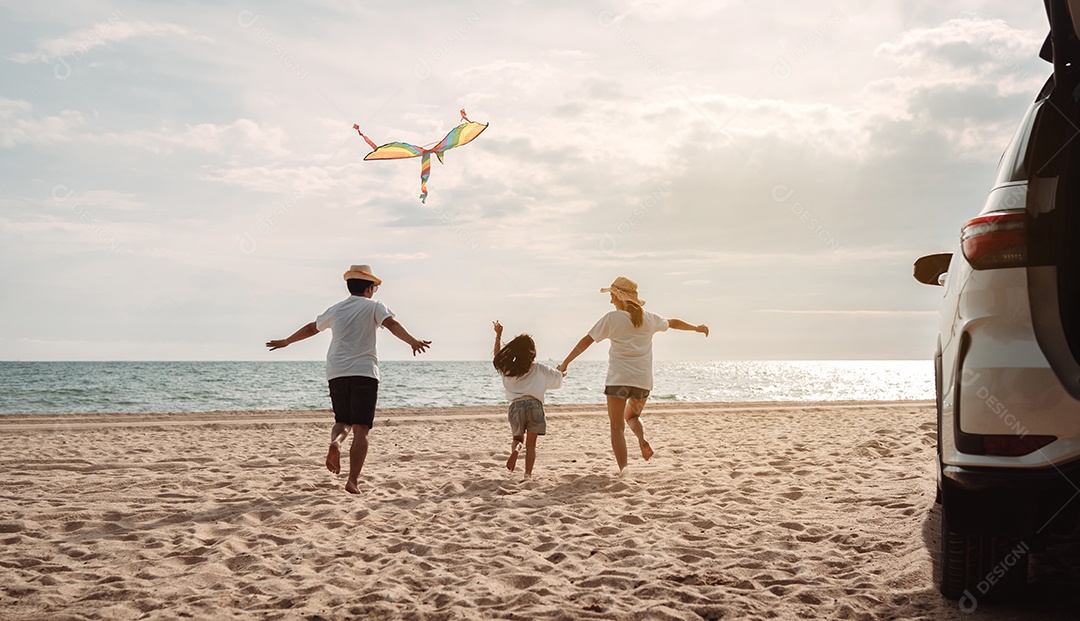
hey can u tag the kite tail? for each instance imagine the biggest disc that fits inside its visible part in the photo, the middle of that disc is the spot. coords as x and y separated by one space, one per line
463 117
366 139
425 172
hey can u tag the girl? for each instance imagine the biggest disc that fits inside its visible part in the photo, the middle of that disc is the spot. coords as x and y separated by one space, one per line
525 382
630 376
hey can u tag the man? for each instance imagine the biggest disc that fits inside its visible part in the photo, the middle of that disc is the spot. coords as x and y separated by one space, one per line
352 365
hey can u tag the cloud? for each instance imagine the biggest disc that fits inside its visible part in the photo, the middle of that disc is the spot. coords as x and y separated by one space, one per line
108 199
854 313
10 107
241 140
78 43
23 127
541 293
971 47
398 257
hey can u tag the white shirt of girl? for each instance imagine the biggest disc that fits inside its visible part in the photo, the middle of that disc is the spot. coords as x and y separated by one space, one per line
537 380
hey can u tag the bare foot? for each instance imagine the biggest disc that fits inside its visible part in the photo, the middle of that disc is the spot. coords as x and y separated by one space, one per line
512 462
646 450
333 459
352 488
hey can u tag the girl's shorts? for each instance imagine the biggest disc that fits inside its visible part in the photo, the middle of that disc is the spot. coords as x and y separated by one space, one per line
626 392
527 415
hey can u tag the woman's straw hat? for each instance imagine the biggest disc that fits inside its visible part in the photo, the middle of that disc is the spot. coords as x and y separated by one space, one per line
363 272
624 289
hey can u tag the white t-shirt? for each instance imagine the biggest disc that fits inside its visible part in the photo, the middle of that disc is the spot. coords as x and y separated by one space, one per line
630 356
534 383
353 322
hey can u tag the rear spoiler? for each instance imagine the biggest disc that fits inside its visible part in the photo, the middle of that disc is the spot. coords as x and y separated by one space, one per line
1064 36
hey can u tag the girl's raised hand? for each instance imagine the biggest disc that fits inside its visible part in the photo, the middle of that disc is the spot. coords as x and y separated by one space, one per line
498 327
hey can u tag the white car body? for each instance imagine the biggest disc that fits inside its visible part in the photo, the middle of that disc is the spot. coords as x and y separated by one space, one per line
1007 363
1003 385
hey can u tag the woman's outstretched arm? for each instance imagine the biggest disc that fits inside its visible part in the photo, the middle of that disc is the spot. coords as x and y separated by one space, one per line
679 324
582 345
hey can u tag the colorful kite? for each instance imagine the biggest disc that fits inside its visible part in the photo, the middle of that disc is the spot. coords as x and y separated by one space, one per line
462 134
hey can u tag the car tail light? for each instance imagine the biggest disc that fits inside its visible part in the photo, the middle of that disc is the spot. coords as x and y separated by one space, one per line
1014 446
995 241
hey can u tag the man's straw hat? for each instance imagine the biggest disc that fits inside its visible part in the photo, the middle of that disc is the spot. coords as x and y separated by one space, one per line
363 272
624 289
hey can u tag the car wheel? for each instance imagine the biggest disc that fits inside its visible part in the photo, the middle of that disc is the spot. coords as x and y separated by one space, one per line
976 566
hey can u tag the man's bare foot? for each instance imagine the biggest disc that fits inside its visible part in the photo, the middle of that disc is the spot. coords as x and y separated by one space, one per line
333 459
646 450
352 488
512 462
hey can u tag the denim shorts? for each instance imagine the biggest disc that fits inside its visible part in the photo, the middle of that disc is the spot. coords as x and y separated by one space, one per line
626 392
527 415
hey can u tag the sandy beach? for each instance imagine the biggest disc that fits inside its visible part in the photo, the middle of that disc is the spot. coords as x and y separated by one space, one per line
747 511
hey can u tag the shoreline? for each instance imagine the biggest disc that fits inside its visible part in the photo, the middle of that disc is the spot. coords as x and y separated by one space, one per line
784 510
385 416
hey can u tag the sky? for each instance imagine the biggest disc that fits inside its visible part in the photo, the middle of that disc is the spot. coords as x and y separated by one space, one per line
181 181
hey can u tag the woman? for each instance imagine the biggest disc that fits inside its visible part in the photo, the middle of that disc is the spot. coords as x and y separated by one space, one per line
630 376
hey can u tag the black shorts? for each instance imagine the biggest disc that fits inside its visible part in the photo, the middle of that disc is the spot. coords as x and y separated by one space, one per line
354 399
626 392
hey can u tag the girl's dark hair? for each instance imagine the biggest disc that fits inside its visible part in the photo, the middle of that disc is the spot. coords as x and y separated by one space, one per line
357 286
516 357
636 314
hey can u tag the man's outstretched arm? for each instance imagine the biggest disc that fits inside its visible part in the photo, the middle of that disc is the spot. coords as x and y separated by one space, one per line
398 330
307 331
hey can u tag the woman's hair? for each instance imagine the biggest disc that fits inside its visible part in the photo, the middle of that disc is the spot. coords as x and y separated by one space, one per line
636 314
357 286
516 357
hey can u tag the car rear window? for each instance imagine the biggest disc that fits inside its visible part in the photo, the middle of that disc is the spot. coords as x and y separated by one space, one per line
1013 165
1016 159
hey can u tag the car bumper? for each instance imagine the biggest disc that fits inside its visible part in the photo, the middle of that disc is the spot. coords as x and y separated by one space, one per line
1011 502
1065 477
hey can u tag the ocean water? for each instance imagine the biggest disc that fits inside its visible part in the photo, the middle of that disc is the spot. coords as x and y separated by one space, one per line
61 387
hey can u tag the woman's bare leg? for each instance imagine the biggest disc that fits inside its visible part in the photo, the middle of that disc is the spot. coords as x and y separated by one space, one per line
633 420
615 409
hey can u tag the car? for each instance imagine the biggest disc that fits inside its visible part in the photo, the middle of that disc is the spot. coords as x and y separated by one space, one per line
1007 361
